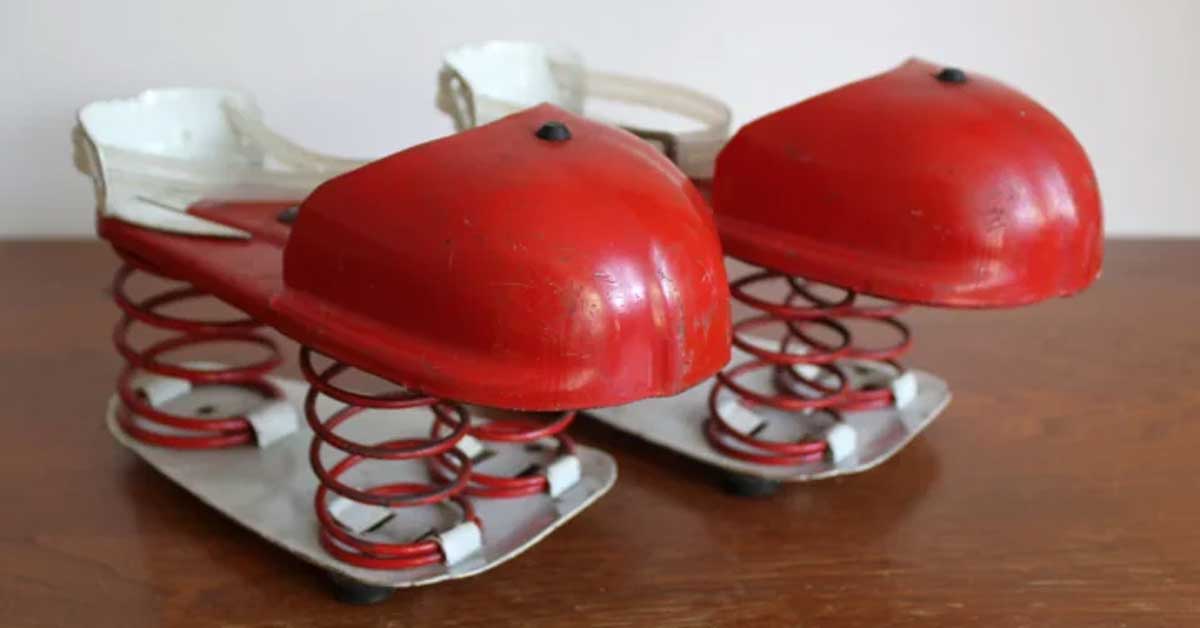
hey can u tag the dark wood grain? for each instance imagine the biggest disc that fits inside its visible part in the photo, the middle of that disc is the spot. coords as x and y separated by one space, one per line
1059 489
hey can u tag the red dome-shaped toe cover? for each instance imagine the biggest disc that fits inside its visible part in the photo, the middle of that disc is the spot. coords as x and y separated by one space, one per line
921 184
522 264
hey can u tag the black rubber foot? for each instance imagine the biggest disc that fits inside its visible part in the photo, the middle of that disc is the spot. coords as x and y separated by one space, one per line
358 593
750 486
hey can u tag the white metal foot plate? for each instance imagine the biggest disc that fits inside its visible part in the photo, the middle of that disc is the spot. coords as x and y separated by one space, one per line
270 491
677 423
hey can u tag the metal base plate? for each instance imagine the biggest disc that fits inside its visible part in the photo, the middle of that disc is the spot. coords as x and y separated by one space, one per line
677 423
270 491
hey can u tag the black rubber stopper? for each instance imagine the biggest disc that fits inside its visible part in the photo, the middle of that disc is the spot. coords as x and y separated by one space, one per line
750 486
358 593
289 215
952 75
554 131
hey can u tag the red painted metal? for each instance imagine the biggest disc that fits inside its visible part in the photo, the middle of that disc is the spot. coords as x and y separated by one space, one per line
915 188
507 270
513 430
518 265
491 267
920 185
510 267
825 386
345 544
162 427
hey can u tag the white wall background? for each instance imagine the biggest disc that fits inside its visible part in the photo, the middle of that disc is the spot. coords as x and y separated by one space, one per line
357 77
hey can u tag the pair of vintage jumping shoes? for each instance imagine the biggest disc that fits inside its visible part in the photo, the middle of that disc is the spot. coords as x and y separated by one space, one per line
458 302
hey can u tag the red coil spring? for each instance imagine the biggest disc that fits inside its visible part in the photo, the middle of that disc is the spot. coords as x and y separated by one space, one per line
810 379
515 430
160 427
343 543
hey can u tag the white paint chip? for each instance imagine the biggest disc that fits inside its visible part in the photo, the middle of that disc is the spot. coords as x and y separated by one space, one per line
357 516
904 389
740 418
460 541
813 372
159 389
841 440
273 421
470 447
563 473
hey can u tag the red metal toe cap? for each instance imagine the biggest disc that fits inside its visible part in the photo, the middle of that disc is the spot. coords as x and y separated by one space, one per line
921 184
541 262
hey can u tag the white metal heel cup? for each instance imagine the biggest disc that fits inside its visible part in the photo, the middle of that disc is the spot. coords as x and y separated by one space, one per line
151 156
482 82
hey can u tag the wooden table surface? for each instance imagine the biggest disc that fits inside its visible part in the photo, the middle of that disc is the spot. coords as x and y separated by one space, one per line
1060 488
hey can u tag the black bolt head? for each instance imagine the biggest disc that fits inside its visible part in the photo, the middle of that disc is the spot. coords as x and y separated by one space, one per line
952 75
359 593
289 215
750 486
554 131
